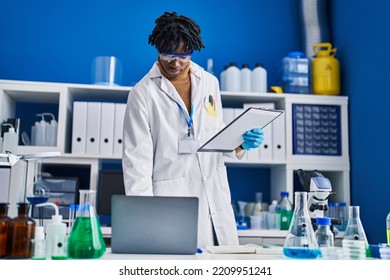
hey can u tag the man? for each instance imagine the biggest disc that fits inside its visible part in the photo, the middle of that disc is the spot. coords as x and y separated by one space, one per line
173 109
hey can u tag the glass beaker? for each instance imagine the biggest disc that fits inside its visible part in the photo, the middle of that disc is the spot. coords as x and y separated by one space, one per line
301 241
85 239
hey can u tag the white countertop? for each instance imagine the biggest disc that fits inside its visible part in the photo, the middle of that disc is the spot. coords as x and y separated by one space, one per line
203 256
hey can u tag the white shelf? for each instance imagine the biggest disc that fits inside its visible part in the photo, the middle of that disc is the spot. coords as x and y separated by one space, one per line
282 172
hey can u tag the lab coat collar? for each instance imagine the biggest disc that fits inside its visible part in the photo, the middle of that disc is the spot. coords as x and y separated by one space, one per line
163 83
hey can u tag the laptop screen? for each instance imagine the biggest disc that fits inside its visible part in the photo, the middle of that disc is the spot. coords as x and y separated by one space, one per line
110 183
154 225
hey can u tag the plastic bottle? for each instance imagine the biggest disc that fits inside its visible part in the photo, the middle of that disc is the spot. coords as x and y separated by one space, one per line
272 207
342 215
55 235
5 231
86 240
233 78
51 131
259 79
10 140
34 133
40 131
23 233
39 244
332 210
273 217
245 77
388 228
258 203
296 73
222 79
324 235
301 242
325 70
285 209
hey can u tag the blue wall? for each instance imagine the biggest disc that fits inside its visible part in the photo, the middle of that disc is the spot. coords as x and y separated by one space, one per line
56 41
362 35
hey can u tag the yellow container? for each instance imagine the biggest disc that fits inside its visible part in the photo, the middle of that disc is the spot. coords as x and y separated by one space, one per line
325 70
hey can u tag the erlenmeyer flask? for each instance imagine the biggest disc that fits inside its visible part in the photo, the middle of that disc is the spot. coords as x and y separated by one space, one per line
85 239
301 242
355 243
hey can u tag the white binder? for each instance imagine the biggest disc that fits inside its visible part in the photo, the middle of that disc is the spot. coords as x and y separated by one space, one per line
265 150
278 138
118 128
107 129
93 128
79 127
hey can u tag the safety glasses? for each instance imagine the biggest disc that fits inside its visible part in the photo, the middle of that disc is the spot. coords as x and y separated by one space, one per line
168 57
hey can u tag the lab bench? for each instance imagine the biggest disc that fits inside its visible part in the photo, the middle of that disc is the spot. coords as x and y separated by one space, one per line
251 236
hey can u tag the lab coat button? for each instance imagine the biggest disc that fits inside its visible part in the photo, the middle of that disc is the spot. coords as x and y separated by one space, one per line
204 178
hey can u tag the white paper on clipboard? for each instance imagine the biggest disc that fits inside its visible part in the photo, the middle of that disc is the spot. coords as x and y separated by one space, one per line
230 137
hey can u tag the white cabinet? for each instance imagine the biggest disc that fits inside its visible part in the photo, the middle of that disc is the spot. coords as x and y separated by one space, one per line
300 117
320 121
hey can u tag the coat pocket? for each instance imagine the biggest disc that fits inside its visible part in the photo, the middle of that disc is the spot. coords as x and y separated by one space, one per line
171 187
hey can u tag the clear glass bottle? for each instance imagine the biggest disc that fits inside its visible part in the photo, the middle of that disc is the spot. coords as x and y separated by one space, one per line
23 233
323 233
285 209
301 242
85 239
355 243
5 231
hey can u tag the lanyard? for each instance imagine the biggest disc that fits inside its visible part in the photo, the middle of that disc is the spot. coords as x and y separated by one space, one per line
189 121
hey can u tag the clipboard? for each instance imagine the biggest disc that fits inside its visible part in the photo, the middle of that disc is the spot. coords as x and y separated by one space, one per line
230 137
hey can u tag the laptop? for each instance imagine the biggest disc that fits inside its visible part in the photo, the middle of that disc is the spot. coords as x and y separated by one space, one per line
154 225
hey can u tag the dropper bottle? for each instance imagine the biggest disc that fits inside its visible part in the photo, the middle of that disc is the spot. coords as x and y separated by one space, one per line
40 131
51 130
55 235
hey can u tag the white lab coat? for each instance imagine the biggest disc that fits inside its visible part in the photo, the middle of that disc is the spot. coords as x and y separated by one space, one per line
152 164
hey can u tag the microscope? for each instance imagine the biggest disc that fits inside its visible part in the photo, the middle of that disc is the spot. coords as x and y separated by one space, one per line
319 188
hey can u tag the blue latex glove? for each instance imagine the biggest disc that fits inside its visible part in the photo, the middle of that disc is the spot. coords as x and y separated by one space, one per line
252 139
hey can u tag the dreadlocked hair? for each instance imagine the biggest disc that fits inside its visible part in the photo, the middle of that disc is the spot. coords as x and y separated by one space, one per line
171 29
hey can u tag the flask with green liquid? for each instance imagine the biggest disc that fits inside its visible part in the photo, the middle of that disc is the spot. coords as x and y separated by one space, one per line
85 239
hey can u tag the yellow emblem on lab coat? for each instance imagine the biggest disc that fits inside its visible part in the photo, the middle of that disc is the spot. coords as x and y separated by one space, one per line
210 106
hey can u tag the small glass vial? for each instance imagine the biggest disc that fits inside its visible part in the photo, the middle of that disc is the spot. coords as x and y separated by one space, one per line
5 231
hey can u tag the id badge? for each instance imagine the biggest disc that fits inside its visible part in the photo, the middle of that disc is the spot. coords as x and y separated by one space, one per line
188 146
